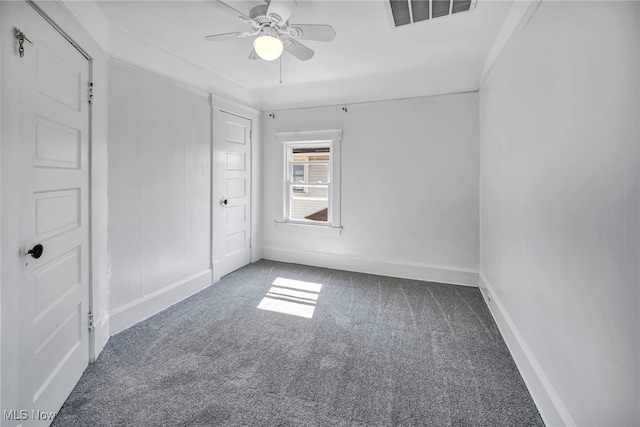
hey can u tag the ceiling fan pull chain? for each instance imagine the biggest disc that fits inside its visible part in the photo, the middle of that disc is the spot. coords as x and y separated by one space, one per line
280 69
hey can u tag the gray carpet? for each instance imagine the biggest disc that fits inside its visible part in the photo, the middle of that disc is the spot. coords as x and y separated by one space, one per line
377 351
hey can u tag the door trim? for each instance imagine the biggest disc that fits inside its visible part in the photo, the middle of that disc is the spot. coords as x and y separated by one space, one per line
62 32
219 105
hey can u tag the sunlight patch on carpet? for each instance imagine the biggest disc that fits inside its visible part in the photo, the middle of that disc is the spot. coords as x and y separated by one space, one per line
294 297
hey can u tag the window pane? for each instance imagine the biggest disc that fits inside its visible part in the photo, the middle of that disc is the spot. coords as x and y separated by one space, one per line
311 151
297 174
310 173
318 173
311 204
309 181
309 210
314 154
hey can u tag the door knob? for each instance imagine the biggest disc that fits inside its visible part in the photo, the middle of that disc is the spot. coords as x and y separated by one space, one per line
36 251
224 202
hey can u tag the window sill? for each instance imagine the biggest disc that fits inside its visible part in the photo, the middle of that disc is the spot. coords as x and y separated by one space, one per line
311 228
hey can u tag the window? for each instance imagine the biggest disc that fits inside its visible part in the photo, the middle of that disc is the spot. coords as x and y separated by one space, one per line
309 184
310 179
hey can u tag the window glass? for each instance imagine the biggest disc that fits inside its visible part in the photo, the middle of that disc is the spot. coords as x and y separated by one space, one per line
309 184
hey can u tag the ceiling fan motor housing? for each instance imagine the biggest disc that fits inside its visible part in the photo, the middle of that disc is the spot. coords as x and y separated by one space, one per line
259 14
269 31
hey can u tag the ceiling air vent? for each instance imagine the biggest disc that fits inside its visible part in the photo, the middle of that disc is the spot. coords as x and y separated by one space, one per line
410 11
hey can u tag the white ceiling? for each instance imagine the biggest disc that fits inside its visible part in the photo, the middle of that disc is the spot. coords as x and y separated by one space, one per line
369 59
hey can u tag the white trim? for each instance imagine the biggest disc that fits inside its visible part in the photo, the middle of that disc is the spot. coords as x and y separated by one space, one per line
127 66
332 137
551 408
256 188
308 228
301 106
145 307
256 254
91 21
101 332
383 267
309 136
215 266
233 107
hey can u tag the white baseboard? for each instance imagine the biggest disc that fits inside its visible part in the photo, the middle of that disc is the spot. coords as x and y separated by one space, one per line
145 307
549 405
406 270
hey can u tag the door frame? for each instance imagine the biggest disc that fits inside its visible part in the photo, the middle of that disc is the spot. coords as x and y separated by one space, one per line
61 19
219 105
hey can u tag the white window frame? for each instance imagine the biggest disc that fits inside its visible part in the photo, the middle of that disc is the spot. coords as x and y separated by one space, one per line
290 184
290 140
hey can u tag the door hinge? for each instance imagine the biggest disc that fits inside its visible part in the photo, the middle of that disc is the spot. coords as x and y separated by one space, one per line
90 92
251 135
250 243
91 324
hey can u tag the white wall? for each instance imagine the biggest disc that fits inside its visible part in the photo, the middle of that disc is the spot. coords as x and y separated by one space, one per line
559 126
159 193
130 48
409 188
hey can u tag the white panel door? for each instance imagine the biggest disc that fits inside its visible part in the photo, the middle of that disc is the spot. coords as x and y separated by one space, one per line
45 168
235 200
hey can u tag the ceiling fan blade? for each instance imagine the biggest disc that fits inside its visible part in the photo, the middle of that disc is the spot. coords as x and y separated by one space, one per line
279 11
227 8
253 55
226 36
321 33
297 49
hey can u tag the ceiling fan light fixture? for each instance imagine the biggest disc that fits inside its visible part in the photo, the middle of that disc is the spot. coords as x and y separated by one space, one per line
268 47
270 23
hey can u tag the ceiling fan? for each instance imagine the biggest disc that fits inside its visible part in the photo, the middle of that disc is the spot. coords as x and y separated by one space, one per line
270 24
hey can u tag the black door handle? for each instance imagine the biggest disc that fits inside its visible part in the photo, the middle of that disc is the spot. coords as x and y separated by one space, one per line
36 251
224 202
